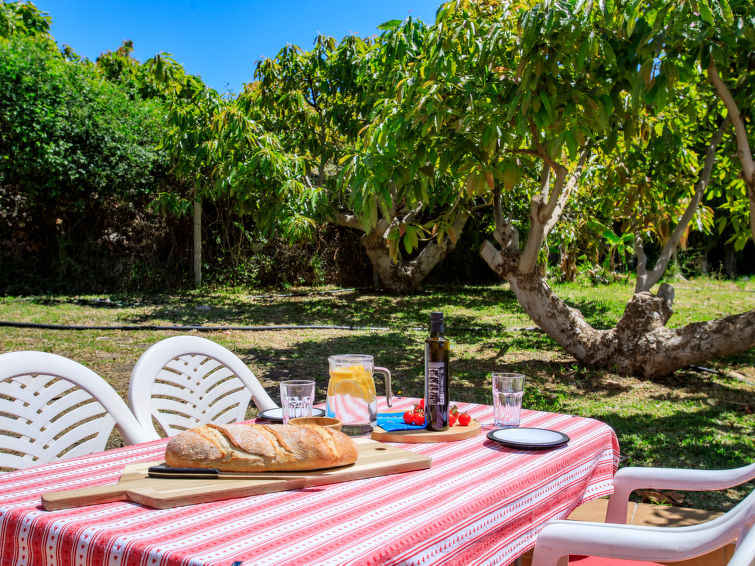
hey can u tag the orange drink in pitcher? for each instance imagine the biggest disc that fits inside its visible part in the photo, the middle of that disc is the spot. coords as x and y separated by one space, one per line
352 397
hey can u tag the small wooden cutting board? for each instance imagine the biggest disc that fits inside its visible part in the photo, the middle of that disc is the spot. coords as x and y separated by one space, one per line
417 436
375 459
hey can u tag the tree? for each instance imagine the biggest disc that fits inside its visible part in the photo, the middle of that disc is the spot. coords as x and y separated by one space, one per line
718 36
523 95
218 146
660 173
72 145
23 19
317 102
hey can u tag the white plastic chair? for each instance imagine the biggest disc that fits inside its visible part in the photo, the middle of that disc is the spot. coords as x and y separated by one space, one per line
187 381
616 540
53 408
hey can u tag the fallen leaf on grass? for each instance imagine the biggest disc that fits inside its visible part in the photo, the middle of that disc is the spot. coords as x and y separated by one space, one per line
660 497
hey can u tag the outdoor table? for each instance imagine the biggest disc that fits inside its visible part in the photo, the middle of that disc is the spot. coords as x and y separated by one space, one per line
479 503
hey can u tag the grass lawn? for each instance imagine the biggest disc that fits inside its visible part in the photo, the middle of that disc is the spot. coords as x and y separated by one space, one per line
695 418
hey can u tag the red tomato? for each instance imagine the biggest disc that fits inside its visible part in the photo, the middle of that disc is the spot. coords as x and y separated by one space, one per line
419 418
421 403
409 417
451 419
464 419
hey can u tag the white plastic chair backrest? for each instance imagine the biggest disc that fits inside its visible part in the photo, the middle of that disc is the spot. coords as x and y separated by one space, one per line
187 381
52 407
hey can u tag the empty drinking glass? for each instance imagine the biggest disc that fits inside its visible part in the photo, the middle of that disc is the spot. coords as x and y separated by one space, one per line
297 398
508 389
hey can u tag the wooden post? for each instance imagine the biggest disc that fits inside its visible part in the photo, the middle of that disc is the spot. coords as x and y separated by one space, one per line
197 243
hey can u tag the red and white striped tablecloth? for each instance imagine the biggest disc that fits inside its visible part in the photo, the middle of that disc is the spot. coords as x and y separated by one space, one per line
479 503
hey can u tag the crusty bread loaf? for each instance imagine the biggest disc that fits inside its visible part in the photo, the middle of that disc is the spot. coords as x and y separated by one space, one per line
260 448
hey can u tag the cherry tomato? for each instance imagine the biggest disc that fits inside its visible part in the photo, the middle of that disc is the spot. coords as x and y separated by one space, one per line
419 418
464 419
451 419
409 417
421 403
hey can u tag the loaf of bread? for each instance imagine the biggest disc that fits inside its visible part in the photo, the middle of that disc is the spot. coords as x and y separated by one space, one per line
260 448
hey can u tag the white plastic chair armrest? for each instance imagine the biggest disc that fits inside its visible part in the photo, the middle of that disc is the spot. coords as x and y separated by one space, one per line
629 479
559 539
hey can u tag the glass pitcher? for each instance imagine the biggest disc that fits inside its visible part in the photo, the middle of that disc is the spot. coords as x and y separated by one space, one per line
351 392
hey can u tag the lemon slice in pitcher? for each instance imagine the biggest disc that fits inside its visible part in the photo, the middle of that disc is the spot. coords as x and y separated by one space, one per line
353 381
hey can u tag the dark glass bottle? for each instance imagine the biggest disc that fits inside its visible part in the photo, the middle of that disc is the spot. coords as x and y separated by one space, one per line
437 375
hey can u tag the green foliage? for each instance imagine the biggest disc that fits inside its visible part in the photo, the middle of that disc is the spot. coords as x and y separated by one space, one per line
409 129
311 100
122 69
495 94
70 139
23 19
78 161
485 99
219 147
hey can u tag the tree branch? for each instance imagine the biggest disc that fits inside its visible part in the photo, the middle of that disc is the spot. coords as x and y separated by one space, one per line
648 279
541 213
348 221
744 153
412 214
505 233
563 196
642 261
393 191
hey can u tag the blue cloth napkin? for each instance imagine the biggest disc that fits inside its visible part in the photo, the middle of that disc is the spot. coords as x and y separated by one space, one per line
395 421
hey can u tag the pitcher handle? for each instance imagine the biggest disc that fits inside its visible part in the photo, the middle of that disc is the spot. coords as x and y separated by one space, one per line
388 393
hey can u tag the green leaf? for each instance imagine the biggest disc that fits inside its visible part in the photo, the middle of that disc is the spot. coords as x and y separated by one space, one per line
612 140
411 239
390 24
631 21
705 12
543 96
596 226
611 238
726 11
511 175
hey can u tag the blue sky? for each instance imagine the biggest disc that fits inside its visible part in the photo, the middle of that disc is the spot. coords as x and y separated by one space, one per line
220 41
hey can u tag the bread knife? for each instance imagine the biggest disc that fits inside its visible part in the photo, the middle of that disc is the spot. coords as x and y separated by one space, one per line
213 473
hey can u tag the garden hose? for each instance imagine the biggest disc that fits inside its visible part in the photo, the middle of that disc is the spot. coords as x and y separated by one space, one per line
244 328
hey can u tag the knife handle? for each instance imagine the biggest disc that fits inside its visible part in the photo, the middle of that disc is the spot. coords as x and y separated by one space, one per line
168 472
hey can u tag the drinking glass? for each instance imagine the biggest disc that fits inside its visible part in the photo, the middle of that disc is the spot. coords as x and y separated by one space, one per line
508 390
297 398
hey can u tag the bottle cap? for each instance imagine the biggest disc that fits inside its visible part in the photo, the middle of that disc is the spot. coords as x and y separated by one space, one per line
436 322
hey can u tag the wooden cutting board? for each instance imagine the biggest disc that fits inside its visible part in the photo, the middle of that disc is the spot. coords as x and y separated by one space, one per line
456 432
375 459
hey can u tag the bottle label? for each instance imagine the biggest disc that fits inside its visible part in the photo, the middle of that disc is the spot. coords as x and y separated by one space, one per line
436 377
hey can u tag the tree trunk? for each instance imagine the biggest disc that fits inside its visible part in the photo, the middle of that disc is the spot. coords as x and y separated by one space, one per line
640 344
197 243
405 276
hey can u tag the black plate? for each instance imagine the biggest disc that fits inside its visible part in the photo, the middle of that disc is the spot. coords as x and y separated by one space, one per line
528 438
277 414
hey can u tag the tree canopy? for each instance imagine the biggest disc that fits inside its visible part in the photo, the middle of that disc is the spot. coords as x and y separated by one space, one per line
70 140
605 131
